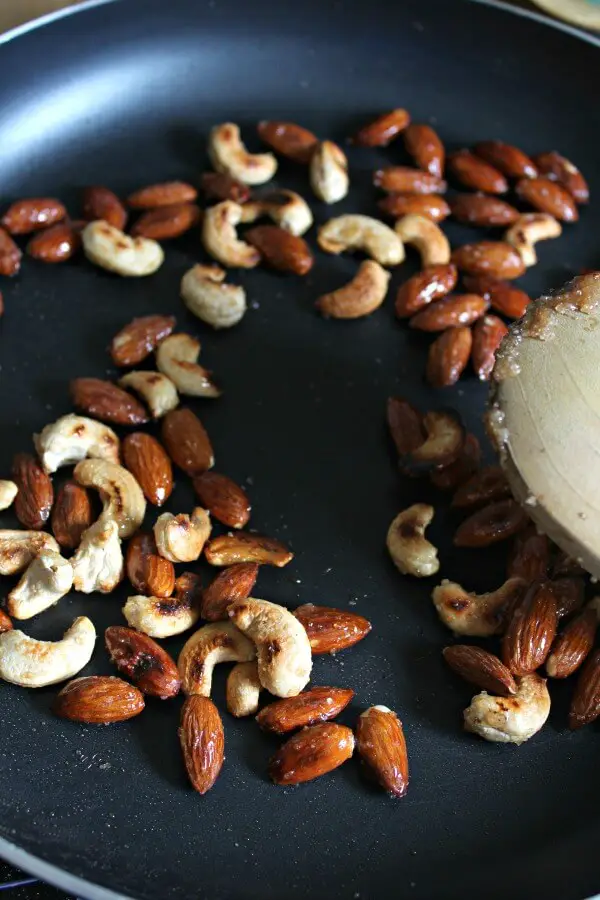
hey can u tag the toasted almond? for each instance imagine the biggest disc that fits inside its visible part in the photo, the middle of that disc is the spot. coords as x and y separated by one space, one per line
232 584
244 547
449 477
569 593
495 258
98 700
101 203
330 629
507 158
219 186
25 216
448 356
449 312
55 244
426 148
165 194
474 173
432 206
289 140
5 622
312 752
404 180
530 630
71 515
486 486
149 573
202 742
10 255
319 704
35 495
504 297
405 424
496 522
224 499
549 197
150 466
585 705
105 401
187 442
167 222
382 747
382 130
139 338
488 333
143 660
480 668
529 556
573 645
482 210
281 250
432 283
560 169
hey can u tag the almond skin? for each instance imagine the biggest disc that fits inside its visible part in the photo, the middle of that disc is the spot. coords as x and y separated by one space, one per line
318 704
33 502
167 222
573 645
149 573
488 333
143 661
564 565
312 752
585 705
288 139
474 173
101 203
139 338
530 630
549 197
72 514
569 593
330 629
486 486
10 255
405 425
149 464
55 244
480 668
98 700
404 180
243 547
495 258
448 356
187 442
105 401
530 556
219 186
450 477
482 210
558 168
232 584
426 148
164 194
432 283
496 522
504 297
223 498
382 130
25 216
432 206
458 309
202 742
511 161
382 747
5 622
281 250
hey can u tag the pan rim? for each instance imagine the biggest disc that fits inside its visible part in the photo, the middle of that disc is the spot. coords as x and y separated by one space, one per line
10 852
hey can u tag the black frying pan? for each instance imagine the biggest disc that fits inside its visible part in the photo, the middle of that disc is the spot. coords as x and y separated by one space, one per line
124 94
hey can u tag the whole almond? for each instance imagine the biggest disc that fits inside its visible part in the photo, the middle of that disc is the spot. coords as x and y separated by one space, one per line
404 180
451 476
202 742
312 752
585 705
569 594
426 148
530 630
382 747
25 216
560 169
187 442
34 499
98 700
430 284
164 194
480 668
72 514
482 210
55 244
167 222
105 401
549 197
474 173
487 337
149 464
319 704
448 356
142 660
149 573
486 486
432 206
504 297
496 522
507 158
573 645
405 424
10 255
101 203
223 498
330 629
232 584
288 139
281 250
244 547
139 338
495 258
219 186
458 309
5 622
382 130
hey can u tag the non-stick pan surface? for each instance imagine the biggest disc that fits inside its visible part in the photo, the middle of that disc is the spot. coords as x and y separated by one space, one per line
124 94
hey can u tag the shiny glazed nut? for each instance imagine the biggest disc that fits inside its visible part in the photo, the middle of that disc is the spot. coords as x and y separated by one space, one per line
487 337
312 752
158 392
405 425
167 222
98 561
480 668
187 442
25 216
549 197
148 572
319 704
114 250
205 295
565 565
495 258
164 194
404 180
55 244
229 155
18 548
142 660
286 208
243 547
430 284
220 238
411 553
360 297
30 663
486 486
288 139
573 645
182 538
426 237
504 297
10 255
122 497
73 438
510 720
105 401
35 493
162 617
202 742
330 629
482 210
476 615
329 172
530 630
511 161
150 466
139 338
232 584
528 230
212 644
356 232
449 477
560 169
569 593
243 689
98 700
8 492
101 203
48 578
474 173
458 309
5 623
382 747
530 555
218 186
493 523
426 148
585 705
448 357
281 250
430 205
176 357
444 439
382 130
224 499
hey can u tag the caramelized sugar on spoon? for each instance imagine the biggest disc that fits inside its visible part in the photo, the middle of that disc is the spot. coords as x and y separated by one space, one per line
544 416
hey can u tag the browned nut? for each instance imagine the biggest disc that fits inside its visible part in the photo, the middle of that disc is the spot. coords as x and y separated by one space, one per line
511 720
382 747
431 284
202 742
511 161
482 210
187 442
167 222
162 617
10 255
98 700
426 148
476 615
148 572
458 309
487 337
493 523
448 356
573 645
319 704
486 486
504 297
585 705
530 630
101 203
474 173
142 660
224 499
480 668
569 594
450 476
426 237
330 630
5 622
243 689
560 169
360 297
312 752
430 205
71 515
549 197
105 401
35 495
219 186
244 547
164 194
55 244
565 565
444 440
404 180
529 556
528 229
405 424
495 258
288 139
139 338
232 584
220 239
382 130
281 250
411 552
25 216
150 466
353 232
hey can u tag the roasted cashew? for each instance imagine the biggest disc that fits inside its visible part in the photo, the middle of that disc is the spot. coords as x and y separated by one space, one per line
217 304
229 155
120 493
476 615
176 357
286 208
243 689
48 578
215 643
356 232
98 561
410 551
220 237
112 249
158 391
8 492
528 230
73 438
182 538
510 720
329 172
426 237
30 663
282 645
161 617
360 297
445 439
18 548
